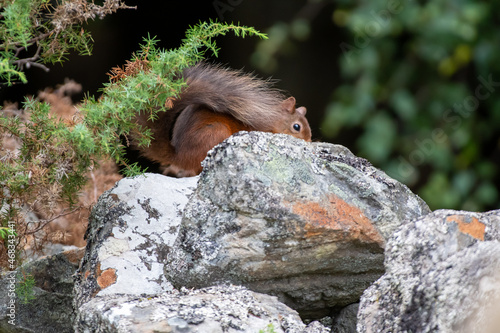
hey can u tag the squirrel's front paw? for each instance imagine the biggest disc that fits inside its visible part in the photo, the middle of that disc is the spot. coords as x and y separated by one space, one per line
175 171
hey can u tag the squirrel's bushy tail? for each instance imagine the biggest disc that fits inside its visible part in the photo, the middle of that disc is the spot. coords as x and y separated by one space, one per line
249 99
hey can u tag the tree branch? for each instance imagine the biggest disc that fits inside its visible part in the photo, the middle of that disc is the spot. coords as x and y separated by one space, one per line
43 223
28 62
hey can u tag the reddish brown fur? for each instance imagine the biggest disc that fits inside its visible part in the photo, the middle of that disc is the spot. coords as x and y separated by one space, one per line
206 129
216 104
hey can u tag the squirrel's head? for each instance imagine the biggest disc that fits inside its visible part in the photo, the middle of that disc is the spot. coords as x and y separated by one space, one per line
295 122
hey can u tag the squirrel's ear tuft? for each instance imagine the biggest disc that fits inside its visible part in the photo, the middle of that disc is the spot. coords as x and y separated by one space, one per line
302 111
289 105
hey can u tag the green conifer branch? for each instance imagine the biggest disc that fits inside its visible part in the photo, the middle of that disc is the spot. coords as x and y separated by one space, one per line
55 156
46 30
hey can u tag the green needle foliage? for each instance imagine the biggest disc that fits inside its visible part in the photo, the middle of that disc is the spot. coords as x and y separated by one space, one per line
44 31
148 83
52 163
24 289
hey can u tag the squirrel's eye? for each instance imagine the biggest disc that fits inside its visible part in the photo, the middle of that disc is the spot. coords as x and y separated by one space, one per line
296 127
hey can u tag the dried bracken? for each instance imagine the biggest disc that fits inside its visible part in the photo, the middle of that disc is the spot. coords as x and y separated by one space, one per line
44 217
130 68
79 11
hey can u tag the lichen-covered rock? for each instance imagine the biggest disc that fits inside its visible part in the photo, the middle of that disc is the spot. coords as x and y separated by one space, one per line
50 310
306 222
442 275
214 309
346 320
130 232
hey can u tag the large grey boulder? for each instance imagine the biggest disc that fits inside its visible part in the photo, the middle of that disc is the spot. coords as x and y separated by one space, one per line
306 222
442 275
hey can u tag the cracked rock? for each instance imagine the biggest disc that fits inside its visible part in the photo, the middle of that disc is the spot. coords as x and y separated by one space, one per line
130 233
306 222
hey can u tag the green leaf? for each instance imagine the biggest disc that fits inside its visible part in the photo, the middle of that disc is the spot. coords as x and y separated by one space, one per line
403 103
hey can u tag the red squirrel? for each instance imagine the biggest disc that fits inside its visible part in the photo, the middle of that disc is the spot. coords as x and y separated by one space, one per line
216 103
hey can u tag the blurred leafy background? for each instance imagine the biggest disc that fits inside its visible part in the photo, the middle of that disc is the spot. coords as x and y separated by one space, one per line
410 85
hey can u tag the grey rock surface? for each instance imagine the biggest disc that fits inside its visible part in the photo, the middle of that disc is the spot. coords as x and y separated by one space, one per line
51 309
130 232
346 320
228 309
306 222
442 275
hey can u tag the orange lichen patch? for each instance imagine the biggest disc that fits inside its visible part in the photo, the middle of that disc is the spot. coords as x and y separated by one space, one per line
105 278
347 221
472 227
87 273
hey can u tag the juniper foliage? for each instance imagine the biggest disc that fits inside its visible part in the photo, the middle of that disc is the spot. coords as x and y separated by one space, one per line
37 32
54 155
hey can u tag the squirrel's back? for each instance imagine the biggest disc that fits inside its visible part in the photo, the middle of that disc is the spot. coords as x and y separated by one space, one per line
215 103
249 99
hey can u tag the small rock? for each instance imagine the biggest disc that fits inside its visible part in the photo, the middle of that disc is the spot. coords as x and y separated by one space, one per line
345 321
316 327
50 310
